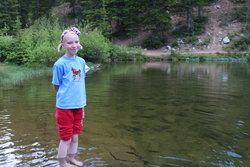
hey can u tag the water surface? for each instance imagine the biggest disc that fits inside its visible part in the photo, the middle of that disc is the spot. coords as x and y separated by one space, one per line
138 114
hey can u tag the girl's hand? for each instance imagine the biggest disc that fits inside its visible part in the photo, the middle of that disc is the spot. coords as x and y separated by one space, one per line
56 87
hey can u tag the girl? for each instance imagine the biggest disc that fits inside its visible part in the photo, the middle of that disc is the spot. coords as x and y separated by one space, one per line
69 83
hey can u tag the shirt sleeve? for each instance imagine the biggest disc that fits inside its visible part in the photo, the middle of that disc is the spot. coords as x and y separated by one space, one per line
84 65
57 75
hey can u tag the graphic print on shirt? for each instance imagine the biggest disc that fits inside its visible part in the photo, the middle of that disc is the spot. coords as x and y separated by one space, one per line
76 73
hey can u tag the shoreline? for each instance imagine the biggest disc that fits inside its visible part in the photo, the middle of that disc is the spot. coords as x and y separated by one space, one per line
164 54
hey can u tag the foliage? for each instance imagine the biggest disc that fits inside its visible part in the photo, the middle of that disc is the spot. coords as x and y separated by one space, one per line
126 16
187 7
199 25
241 44
154 42
239 14
238 1
28 38
95 45
17 55
199 28
36 46
95 11
203 43
40 42
190 40
16 14
121 52
9 14
6 45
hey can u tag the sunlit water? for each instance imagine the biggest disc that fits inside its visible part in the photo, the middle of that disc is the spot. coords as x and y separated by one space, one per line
148 114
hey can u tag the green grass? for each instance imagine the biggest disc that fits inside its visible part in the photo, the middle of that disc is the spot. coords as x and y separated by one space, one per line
13 74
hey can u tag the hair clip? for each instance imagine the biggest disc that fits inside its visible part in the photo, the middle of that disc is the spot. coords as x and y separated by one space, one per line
72 29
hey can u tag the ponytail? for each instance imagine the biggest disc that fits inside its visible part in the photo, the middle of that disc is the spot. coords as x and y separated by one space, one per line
59 48
81 47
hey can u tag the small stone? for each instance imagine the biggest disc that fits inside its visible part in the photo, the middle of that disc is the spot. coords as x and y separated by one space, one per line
217 6
226 40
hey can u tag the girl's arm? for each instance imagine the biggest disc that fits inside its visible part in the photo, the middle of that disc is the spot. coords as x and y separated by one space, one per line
56 87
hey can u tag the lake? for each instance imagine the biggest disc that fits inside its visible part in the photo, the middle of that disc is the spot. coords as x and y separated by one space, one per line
157 114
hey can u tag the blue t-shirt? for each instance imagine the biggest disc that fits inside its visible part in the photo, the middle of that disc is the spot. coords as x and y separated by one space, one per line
69 74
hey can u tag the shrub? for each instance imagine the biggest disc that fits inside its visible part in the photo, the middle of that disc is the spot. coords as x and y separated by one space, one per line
154 42
6 46
95 45
18 55
40 43
203 43
36 46
241 44
43 55
199 28
190 40
239 1
121 52
239 14
175 44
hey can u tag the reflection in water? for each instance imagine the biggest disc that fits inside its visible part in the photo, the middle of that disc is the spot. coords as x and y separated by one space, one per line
138 114
7 152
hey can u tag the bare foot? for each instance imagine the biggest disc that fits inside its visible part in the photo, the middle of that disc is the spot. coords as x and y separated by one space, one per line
75 162
67 165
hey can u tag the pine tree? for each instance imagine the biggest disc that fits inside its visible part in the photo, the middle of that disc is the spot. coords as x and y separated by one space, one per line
188 6
95 12
17 26
248 19
129 16
200 4
3 14
5 30
158 17
9 13
13 12
31 10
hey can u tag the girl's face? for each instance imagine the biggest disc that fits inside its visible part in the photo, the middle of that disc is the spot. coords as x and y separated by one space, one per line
71 43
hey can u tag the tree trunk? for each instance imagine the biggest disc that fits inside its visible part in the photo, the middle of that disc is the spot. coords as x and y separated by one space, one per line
190 22
38 8
248 5
248 17
199 11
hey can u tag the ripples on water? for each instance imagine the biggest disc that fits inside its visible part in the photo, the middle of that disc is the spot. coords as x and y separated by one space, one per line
22 153
27 127
152 114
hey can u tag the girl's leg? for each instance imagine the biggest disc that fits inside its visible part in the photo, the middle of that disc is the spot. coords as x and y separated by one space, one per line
73 145
72 151
62 153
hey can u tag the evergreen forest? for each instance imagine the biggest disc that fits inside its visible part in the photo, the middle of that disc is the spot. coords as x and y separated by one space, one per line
30 29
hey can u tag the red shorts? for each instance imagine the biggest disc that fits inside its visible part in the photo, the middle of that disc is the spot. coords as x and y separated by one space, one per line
69 122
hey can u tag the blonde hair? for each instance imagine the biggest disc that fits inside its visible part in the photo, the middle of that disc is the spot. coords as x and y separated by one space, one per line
59 48
72 30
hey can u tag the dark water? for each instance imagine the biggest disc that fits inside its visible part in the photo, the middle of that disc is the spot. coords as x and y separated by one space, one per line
149 114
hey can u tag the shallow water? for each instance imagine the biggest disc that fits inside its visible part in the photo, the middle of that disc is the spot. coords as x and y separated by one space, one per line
138 114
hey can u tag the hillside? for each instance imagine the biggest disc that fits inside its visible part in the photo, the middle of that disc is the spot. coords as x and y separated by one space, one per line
214 32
